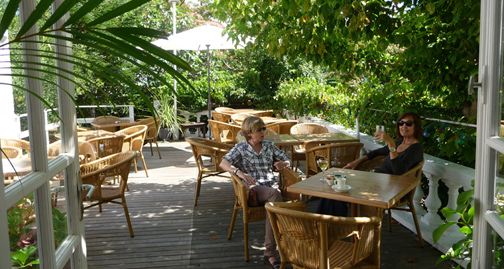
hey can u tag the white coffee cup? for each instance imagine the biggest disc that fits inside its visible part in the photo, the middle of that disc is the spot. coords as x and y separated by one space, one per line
341 183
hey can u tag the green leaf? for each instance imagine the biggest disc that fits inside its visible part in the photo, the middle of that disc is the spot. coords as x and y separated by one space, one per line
431 8
83 11
9 13
118 11
466 230
34 17
448 212
63 9
438 232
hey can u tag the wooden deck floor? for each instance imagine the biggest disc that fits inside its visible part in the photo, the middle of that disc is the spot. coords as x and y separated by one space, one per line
170 232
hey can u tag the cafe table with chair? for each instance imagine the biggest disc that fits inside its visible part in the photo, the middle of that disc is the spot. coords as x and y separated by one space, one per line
369 193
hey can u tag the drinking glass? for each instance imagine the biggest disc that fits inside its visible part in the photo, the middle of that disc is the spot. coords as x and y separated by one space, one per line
379 128
322 163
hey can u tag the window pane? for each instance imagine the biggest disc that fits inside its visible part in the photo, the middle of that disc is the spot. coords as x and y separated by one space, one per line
22 232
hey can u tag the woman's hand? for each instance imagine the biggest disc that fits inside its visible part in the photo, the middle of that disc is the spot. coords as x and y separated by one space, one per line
351 165
281 165
382 136
246 177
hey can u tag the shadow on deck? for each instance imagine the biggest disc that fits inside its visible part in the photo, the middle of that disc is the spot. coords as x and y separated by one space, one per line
170 232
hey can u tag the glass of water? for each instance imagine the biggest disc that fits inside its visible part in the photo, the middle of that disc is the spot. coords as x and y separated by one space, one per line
379 128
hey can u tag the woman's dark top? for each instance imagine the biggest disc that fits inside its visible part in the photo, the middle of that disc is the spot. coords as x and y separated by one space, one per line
400 165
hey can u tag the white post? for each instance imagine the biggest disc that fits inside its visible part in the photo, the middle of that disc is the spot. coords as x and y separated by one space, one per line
174 15
433 203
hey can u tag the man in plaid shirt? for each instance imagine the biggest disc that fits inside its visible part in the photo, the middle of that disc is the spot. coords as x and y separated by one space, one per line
253 162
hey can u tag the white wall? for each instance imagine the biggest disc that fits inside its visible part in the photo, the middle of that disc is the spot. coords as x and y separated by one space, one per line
8 120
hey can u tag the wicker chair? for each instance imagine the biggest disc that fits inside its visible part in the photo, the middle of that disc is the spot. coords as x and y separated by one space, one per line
371 165
223 109
238 118
288 177
298 152
308 240
10 142
107 145
407 200
263 113
215 150
87 151
152 134
250 214
95 172
11 152
282 127
134 141
338 154
105 120
224 132
222 117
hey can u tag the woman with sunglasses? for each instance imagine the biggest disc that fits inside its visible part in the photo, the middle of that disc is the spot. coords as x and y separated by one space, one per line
253 161
401 155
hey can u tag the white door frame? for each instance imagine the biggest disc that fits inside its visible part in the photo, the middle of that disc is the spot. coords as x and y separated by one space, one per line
489 144
37 182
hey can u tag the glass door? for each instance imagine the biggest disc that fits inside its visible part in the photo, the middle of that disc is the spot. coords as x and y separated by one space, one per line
488 237
27 202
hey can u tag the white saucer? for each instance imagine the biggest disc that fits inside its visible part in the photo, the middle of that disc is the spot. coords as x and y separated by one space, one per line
347 188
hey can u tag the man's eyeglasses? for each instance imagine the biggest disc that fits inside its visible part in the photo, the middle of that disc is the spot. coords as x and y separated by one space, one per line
262 129
407 122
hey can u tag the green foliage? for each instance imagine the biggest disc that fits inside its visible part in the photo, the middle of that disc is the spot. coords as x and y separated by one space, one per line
93 30
60 226
21 257
461 250
384 57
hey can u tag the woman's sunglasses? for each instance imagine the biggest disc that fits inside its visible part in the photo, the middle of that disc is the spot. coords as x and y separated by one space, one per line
408 123
262 129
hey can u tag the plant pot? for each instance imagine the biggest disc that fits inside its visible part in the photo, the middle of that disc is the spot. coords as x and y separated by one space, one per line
163 133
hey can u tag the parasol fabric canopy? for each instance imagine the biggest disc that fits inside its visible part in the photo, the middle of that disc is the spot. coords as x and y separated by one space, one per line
206 37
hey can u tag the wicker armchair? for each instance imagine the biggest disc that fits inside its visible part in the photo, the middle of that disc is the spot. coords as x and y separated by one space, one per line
107 145
298 152
282 127
407 200
95 172
87 151
308 240
224 132
371 165
238 118
262 113
152 133
11 152
223 109
215 150
222 117
105 120
250 214
134 141
338 154
288 177
10 142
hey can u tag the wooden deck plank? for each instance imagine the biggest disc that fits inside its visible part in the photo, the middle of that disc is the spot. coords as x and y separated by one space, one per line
170 232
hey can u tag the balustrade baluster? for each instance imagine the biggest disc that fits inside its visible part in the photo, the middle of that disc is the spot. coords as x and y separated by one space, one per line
433 203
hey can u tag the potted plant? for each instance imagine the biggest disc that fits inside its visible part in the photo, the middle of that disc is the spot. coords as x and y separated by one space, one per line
165 110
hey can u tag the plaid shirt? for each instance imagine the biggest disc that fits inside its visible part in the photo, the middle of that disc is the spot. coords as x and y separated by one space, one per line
259 166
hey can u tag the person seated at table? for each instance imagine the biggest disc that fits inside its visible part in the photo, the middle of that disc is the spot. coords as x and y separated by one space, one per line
253 162
401 155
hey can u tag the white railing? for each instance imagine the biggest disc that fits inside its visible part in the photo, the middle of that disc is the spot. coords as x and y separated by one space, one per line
51 126
453 175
